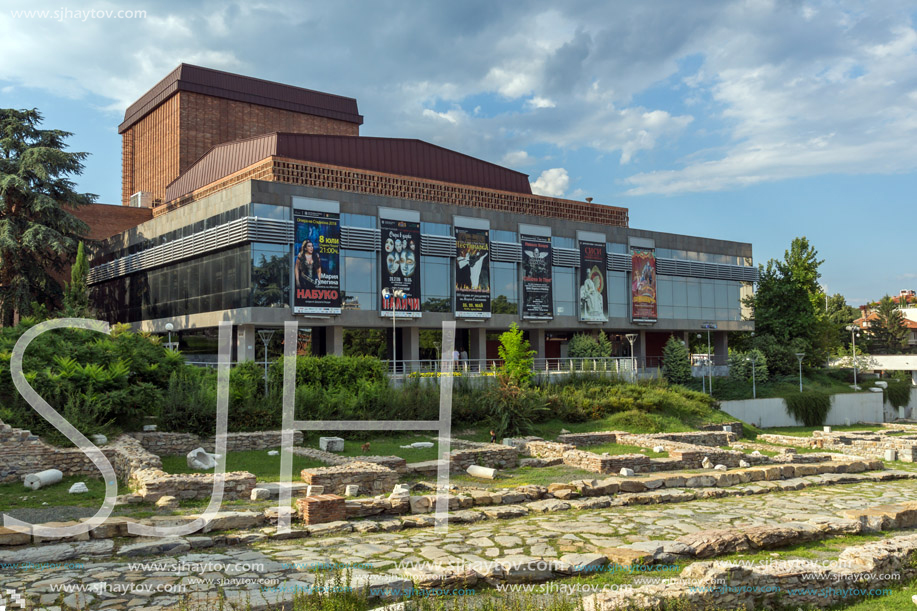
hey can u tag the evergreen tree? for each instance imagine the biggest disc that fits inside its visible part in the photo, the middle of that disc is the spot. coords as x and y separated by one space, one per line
518 357
76 296
676 364
38 234
888 333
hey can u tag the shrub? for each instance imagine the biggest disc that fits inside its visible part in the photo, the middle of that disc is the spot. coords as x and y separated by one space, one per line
584 346
740 368
898 393
518 357
515 409
676 364
810 407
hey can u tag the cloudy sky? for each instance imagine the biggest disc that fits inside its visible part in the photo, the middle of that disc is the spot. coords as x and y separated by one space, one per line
755 121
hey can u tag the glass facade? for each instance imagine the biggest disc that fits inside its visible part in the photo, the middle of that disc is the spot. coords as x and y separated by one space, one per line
565 293
360 282
504 287
618 295
699 298
435 229
270 276
560 242
358 220
270 211
499 235
436 284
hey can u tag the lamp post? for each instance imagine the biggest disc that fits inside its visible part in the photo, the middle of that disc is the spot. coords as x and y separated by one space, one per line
703 377
390 294
708 326
799 357
753 358
854 331
632 337
265 335
169 327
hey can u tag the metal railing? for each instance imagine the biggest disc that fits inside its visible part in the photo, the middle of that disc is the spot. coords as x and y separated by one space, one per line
483 367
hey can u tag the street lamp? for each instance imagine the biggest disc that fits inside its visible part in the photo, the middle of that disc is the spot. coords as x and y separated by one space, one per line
753 358
169 327
390 294
632 337
708 326
703 377
854 331
799 357
265 335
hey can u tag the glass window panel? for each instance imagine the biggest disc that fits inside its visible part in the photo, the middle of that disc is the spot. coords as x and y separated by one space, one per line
707 299
666 312
695 313
270 273
680 292
270 211
664 253
504 288
664 286
618 248
564 281
436 229
721 294
694 300
500 235
358 220
436 284
359 279
561 242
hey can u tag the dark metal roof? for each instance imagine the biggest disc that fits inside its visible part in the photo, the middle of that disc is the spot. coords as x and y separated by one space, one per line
400 156
242 89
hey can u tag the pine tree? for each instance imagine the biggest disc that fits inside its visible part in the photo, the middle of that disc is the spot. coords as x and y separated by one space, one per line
676 364
38 234
76 295
888 333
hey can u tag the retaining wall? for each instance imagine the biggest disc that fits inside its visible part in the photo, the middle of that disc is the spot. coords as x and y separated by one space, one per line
845 408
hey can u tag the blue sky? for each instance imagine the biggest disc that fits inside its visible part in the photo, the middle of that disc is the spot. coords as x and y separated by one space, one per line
755 121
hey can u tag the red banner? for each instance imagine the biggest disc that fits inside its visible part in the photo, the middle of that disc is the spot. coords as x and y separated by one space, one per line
643 284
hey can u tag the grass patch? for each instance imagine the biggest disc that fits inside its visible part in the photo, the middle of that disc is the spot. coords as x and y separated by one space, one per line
17 496
806 431
265 468
617 449
726 389
391 446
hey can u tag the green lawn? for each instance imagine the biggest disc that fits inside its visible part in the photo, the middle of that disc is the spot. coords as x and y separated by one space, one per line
390 446
265 468
806 431
17 496
726 389
616 449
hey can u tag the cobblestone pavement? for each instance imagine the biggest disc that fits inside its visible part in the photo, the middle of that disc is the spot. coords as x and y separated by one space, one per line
289 564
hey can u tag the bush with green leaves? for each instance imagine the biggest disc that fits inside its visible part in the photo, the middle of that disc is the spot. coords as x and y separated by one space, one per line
518 357
585 346
676 363
898 393
810 407
740 366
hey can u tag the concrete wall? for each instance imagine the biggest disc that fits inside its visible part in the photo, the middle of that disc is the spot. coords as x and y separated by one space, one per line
764 413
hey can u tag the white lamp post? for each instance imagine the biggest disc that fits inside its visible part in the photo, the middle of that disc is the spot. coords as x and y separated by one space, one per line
708 326
854 331
390 294
753 358
169 327
632 337
799 357
265 335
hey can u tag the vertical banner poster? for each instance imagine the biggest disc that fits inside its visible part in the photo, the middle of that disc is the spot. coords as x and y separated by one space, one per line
643 284
537 295
316 262
593 305
400 267
472 273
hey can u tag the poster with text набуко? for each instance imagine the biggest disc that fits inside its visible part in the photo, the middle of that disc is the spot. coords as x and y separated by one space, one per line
317 262
472 273
400 268
537 294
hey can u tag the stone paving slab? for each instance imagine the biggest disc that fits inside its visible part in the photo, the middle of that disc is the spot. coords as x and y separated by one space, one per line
539 536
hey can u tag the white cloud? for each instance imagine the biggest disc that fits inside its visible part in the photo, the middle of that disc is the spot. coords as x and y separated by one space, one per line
539 102
553 183
517 159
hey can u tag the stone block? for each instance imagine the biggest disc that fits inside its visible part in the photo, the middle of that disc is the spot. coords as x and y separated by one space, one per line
321 509
625 556
331 444
9 536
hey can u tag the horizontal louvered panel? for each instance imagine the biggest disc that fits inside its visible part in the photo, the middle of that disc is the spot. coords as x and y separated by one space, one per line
437 245
565 257
618 262
506 252
360 238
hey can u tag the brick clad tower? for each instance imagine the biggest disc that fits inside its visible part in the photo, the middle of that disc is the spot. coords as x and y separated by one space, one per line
193 109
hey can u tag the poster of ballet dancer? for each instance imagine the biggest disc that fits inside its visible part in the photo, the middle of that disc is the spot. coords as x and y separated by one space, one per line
537 291
592 302
472 273
643 284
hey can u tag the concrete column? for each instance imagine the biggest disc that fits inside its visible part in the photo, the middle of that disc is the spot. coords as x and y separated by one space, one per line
720 348
334 341
409 343
914 378
477 344
536 339
640 349
245 342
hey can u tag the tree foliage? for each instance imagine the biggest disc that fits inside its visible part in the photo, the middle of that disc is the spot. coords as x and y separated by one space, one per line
76 295
518 357
887 333
38 234
676 363
585 346
741 369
